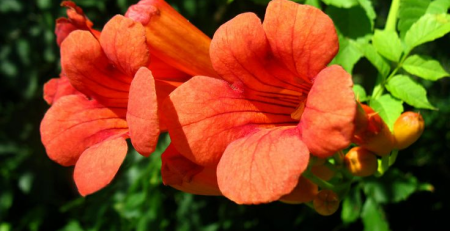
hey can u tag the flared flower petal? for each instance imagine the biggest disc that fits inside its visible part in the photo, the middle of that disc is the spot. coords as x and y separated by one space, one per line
327 121
302 37
207 114
57 88
240 53
98 165
172 38
123 41
142 113
263 166
75 123
105 70
276 82
90 72
182 174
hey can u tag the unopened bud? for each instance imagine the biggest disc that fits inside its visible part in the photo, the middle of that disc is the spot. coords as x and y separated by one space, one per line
361 162
326 202
376 136
407 129
305 191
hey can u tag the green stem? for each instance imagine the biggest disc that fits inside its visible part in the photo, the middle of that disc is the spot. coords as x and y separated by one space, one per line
319 182
393 157
384 165
390 26
392 16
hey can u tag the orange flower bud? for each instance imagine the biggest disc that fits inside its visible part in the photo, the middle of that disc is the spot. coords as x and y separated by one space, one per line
407 129
326 202
361 162
376 136
323 172
305 191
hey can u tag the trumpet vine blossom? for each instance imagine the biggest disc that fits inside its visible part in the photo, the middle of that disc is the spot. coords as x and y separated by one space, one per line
111 87
277 103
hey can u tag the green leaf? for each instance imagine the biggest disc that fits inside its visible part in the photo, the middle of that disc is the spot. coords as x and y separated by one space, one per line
408 90
373 217
372 55
351 206
315 3
410 11
348 55
370 11
352 22
438 7
388 108
424 67
428 28
388 44
394 186
341 3
26 182
360 93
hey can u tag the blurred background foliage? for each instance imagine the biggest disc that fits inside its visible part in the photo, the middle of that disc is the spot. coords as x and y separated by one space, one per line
38 194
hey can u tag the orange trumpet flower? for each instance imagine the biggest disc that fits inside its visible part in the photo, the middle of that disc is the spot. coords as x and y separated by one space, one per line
278 103
110 90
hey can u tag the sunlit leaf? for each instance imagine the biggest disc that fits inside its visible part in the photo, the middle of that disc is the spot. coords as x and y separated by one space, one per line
360 93
373 217
315 3
377 61
438 7
408 90
341 3
388 108
410 11
428 28
388 44
370 11
424 67
349 54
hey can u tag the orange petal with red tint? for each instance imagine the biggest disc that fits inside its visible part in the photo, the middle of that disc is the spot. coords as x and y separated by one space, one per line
241 54
301 36
205 114
75 123
263 166
57 88
76 21
123 41
90 71
142 113
172 37
182 174
99 164
163 71
327 121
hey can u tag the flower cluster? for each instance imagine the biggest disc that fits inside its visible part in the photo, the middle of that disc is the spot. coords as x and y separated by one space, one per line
256 114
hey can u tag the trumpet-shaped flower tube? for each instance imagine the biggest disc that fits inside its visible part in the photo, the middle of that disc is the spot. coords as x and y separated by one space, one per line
276 104
110 90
